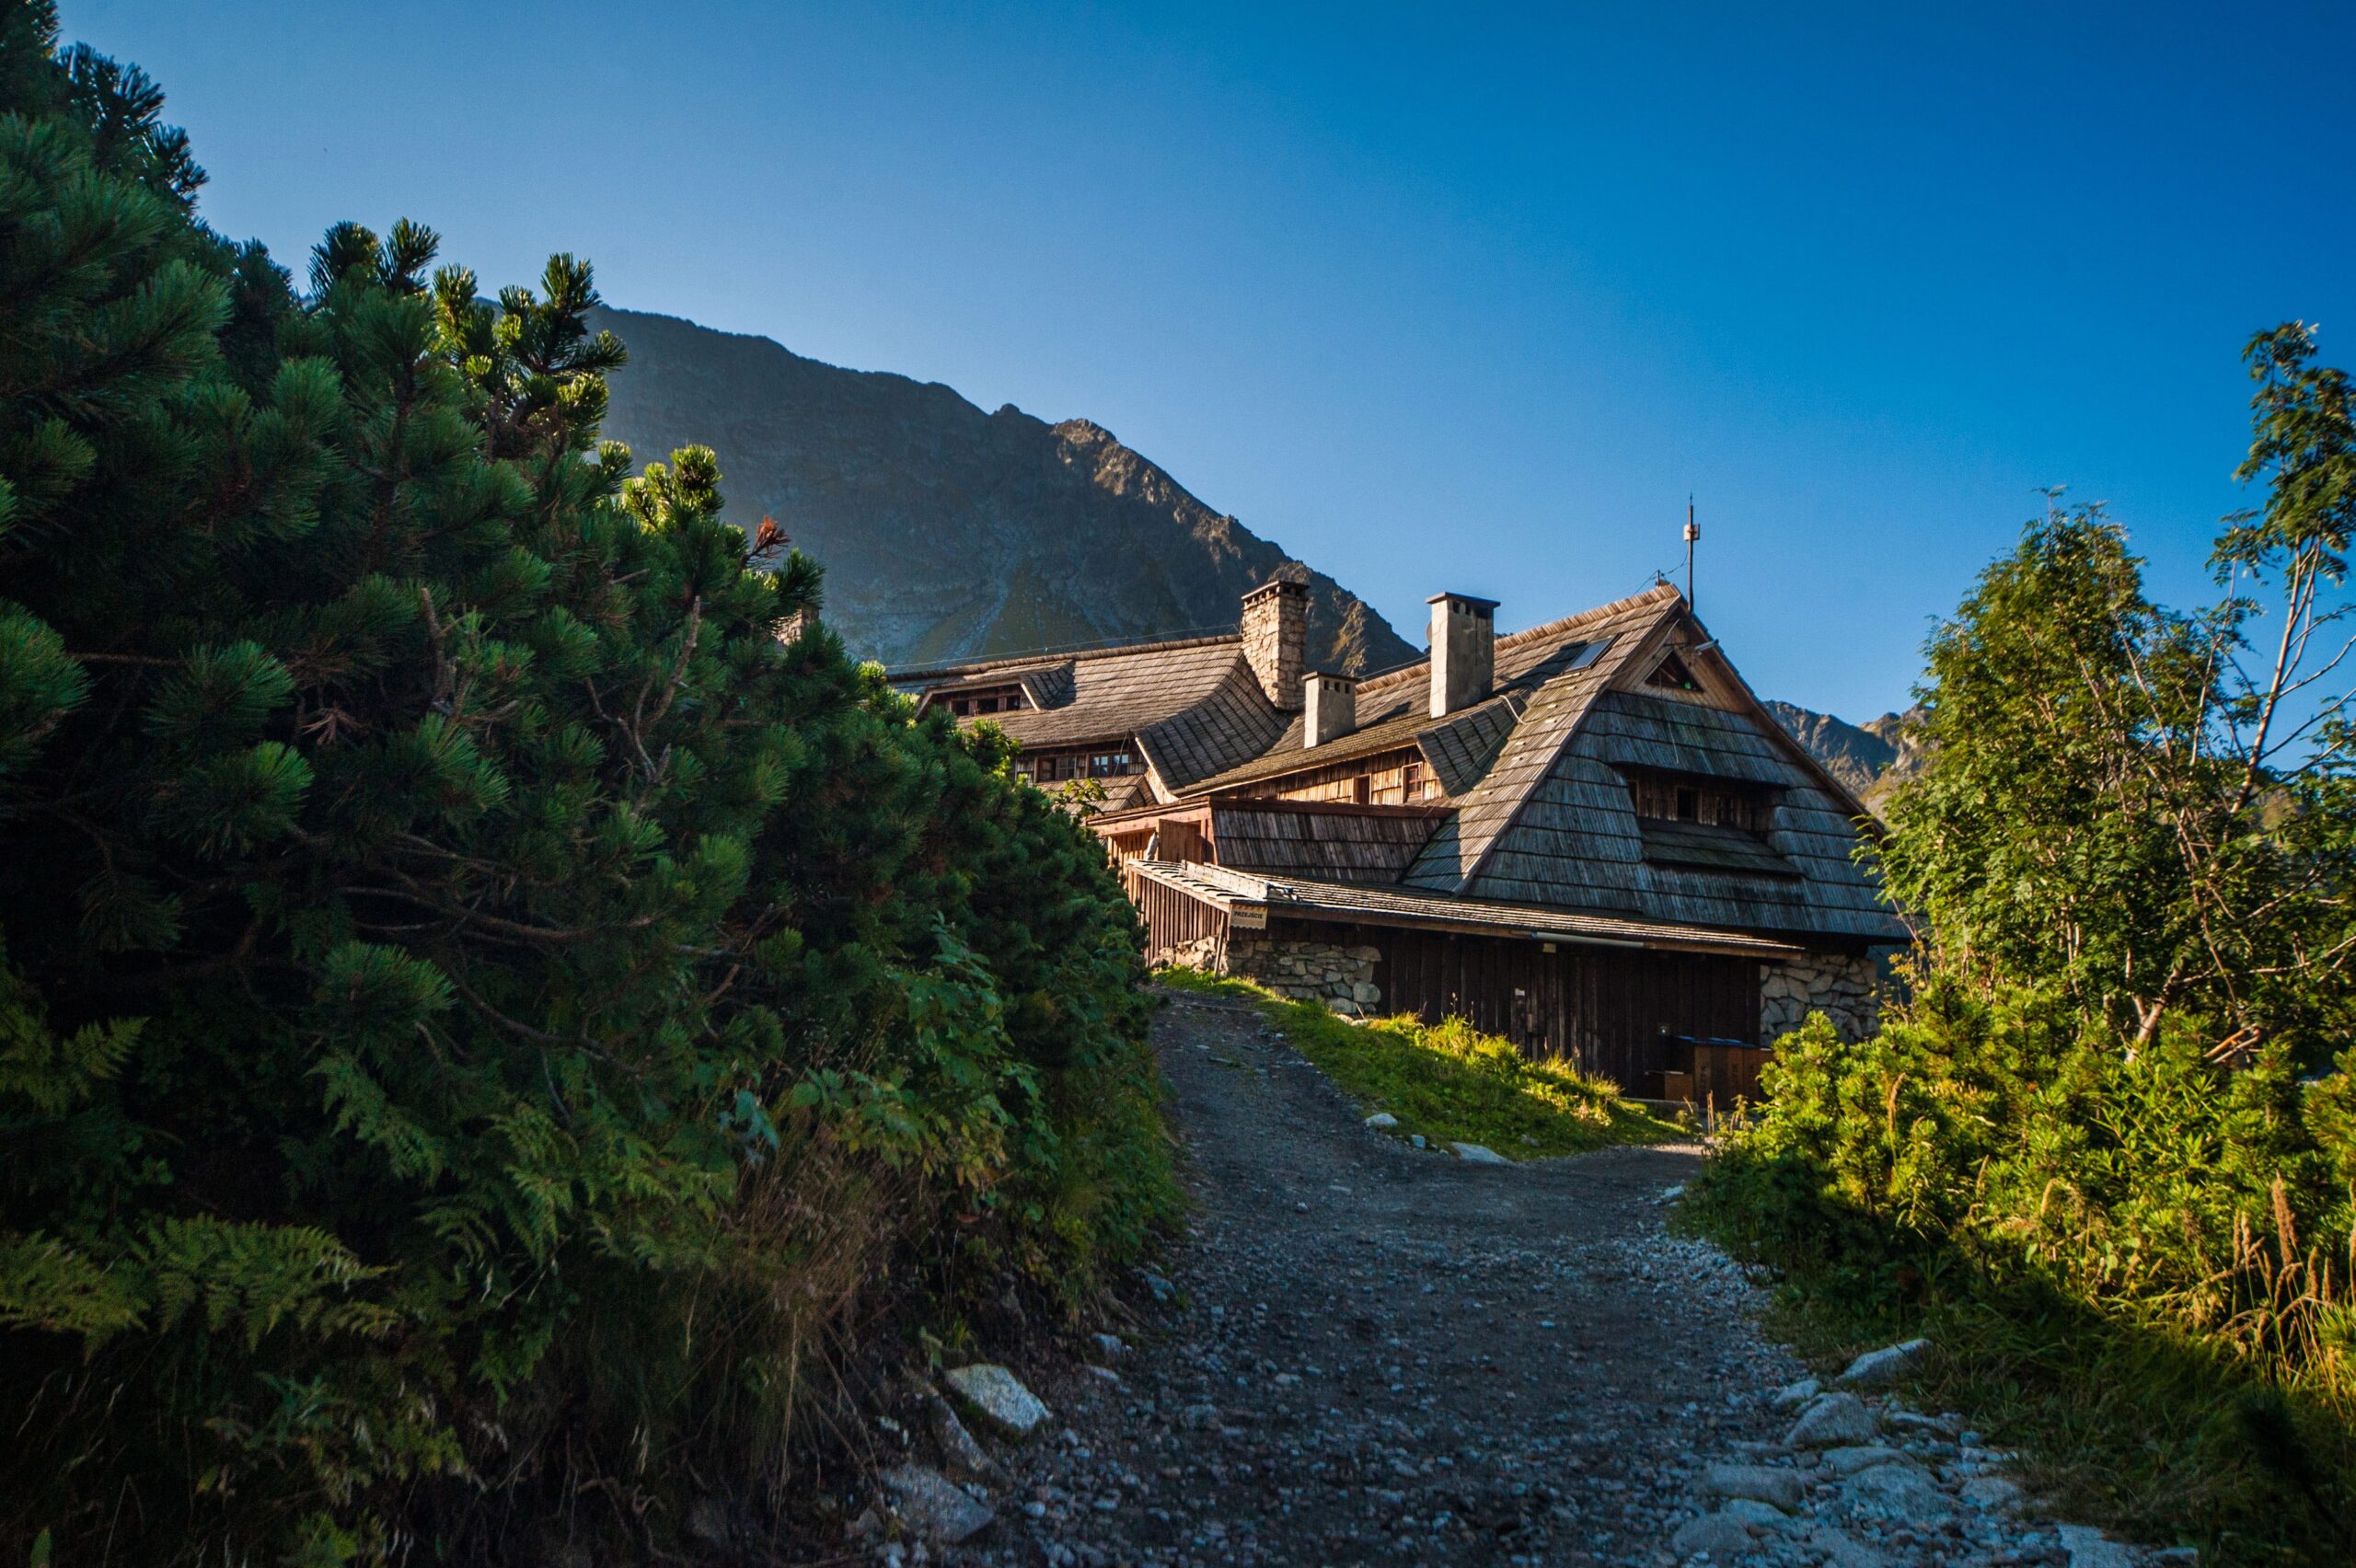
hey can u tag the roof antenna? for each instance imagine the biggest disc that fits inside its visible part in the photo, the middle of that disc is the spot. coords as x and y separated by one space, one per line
1691 534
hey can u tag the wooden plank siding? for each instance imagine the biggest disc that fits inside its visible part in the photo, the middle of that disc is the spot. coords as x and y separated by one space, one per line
1397 778
1607 1009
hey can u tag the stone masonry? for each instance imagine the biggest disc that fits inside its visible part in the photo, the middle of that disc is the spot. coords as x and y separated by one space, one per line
1842 987
1275 639
1341 977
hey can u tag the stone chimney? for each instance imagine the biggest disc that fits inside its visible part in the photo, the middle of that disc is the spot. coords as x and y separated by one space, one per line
1464 650
1331 708
1276 639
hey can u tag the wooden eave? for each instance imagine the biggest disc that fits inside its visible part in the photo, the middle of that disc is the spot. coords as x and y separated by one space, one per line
1261 899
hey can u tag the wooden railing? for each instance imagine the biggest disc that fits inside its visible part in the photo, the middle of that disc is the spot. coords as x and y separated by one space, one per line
1171 919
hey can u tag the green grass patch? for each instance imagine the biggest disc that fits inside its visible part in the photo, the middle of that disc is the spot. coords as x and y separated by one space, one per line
1449 1081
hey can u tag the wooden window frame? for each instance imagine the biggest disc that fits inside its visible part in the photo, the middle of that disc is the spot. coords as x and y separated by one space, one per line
1663 795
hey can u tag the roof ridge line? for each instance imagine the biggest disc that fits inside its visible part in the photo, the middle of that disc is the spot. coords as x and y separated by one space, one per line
1563 623
1554 627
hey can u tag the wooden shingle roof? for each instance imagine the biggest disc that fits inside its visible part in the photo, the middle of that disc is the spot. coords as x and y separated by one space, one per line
1228 723
1577 837
1393 707
1328 842
1113 696
1540 814
1622 631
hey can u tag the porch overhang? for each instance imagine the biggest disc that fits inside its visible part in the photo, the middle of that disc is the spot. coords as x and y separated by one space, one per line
1250 903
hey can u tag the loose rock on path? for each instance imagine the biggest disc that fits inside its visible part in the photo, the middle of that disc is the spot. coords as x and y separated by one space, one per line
1368 1353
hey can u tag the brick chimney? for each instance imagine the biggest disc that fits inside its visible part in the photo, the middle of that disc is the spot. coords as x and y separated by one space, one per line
1276 639
1330 708
1464 650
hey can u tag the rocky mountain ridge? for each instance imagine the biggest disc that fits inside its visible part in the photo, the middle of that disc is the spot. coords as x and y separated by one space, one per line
949 533
1871 758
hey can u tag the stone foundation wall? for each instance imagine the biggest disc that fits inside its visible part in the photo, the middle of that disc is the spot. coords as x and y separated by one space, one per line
1205 953
1341 977
1844 988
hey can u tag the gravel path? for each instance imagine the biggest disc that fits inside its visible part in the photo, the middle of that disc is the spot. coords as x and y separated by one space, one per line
1371 1353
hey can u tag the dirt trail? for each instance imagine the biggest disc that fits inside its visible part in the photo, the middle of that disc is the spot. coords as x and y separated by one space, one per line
1371 1353
1386 1354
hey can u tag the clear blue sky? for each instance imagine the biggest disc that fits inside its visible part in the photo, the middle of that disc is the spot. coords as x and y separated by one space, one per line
1453 297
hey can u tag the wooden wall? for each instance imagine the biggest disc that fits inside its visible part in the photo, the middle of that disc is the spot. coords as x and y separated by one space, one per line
1607 1008
1386 778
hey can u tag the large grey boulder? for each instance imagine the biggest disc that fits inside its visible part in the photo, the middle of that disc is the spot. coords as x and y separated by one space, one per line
1848 1461
2089 1548
932 1506
1902 1491
1845 1551
1723 1537
960 1450
1832 1421
1878 1367
1478 1153
1779 1488
1754 1515
1994 1493
998 1398
1382 1119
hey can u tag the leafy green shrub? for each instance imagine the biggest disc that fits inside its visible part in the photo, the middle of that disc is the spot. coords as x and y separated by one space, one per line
488 1033
2129 1255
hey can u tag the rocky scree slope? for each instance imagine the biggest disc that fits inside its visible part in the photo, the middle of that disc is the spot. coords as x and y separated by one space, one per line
950 533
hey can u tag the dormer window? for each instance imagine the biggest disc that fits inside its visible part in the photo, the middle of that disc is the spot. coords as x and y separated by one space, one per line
1662 796
1057 767
1703 823
984 700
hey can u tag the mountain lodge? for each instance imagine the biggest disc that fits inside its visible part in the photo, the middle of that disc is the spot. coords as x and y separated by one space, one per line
1588 837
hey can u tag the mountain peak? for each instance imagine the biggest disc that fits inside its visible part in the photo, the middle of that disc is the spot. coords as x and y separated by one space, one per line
948 533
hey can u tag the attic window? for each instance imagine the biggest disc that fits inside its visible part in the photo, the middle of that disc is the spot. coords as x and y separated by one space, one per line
990 699
1701 823
1671 673
1699 798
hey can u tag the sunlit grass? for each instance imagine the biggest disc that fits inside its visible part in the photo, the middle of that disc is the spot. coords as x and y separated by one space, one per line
1449 1081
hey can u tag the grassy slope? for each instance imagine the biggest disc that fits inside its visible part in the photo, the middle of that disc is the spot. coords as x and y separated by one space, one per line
1449 1082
